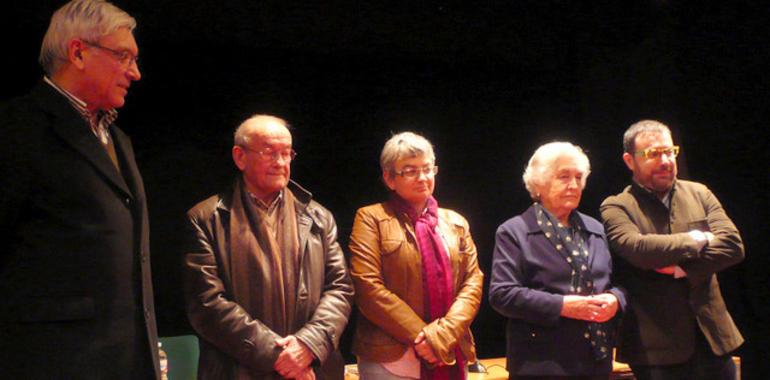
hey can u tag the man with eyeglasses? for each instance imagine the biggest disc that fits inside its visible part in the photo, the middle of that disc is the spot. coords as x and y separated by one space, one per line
670 238
266 282
75 268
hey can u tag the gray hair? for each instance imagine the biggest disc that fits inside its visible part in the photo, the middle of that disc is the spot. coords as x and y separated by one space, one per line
84 19
241 136
640 127
541 165
404 145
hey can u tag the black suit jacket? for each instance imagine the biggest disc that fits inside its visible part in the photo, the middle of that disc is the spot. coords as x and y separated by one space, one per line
74 270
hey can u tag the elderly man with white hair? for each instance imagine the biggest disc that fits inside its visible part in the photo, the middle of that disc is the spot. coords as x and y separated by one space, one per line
551 276
75 268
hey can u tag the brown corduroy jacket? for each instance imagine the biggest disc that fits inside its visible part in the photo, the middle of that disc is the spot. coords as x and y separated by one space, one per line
663 315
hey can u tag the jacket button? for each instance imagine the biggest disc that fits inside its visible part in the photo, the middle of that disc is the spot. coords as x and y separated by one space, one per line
127 201
533 334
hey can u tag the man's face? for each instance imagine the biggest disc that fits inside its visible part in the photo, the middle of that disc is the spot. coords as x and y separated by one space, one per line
654 173
106 77
264 162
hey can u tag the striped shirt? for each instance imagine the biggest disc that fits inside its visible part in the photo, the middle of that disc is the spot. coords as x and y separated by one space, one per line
99 121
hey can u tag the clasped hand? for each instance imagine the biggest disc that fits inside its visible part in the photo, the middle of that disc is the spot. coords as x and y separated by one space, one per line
595 308
294 361
424 350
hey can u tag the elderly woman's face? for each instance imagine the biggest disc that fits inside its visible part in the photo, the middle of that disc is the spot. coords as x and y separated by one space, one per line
414 189
562 191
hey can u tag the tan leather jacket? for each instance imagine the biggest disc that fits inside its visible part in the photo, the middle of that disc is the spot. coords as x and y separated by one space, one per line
386 268
230 337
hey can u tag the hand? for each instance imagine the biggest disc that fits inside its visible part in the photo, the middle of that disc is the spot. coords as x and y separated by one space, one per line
295 358
669 270
609 307
582 307
424 350
307 375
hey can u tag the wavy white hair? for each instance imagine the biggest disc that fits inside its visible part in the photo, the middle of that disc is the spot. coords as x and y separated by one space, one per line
541 166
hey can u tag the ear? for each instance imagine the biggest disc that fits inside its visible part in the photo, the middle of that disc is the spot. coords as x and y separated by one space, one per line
75 53
389 179
628 158
239 157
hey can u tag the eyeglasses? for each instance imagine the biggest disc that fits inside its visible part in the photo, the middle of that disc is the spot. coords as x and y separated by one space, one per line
412 172
655 153
270 155
124 58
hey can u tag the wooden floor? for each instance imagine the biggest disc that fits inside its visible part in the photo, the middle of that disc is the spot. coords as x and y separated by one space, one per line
496 370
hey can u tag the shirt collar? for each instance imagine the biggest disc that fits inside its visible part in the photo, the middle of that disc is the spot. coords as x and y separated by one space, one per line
265 206
105 117
666 200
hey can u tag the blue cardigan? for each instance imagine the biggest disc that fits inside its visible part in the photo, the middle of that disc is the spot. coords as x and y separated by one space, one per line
529 280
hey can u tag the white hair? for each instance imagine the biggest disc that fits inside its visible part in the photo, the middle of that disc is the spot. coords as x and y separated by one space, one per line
541 166
88 20
404 145
242 134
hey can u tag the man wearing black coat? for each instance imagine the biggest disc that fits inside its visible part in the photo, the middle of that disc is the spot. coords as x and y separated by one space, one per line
74 269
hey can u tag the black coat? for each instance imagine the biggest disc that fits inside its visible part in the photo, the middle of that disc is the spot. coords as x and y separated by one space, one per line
75 270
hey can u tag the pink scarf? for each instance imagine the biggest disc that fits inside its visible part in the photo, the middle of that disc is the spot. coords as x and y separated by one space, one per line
436 279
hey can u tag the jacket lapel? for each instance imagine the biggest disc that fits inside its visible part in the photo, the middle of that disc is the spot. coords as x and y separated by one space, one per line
68 125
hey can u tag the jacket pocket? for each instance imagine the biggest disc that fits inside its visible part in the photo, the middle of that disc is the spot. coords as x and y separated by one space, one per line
390 246
51 309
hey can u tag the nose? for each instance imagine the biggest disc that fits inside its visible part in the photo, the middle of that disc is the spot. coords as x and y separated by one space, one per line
666 159
573 183
133 71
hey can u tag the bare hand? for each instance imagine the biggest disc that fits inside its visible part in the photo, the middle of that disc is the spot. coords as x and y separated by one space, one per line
669 270
609 307
295 358
581 307
424 350
307 375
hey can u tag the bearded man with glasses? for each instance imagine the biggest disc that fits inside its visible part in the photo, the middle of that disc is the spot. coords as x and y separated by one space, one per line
266 282
75 268
670 238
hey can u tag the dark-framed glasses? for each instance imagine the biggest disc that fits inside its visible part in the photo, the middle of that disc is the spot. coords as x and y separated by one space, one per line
270 155
655 153
124 57
412 172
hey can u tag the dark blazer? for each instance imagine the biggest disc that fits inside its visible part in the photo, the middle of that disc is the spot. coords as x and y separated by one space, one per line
234 342
529 279
664 312
75 268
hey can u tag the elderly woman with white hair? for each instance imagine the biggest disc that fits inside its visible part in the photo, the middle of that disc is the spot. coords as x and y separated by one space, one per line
416 275
551 276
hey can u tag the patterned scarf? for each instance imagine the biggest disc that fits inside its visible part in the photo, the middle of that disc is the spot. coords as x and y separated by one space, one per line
436 279
571 244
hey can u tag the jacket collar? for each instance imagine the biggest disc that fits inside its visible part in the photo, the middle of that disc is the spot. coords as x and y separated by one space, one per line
70 126
530 219
639 190
301 195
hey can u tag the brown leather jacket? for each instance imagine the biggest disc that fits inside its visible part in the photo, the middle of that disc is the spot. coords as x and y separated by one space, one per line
386 268
229 337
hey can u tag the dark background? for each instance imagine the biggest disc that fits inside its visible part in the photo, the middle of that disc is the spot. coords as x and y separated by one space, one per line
486 84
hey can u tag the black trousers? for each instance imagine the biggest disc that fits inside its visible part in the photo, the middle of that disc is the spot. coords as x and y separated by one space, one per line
703 365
